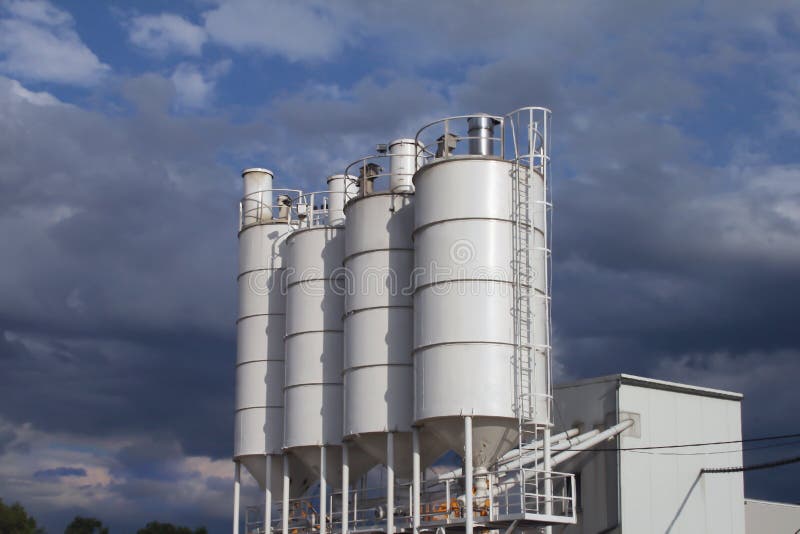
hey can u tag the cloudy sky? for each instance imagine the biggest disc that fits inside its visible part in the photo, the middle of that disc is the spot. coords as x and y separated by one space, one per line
123 127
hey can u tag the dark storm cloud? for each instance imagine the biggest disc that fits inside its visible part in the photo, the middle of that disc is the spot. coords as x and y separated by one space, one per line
674 257
59 472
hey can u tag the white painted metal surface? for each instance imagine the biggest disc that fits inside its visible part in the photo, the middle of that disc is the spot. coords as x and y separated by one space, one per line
314 345
405 158
378 326
257 202
766 516
341 188
258 419
661 490
463 336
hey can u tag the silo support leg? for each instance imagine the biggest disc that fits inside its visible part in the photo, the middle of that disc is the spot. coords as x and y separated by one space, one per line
548 481
415 477
268 497
237 476
390 482
345 488
468 483
323 492
285 507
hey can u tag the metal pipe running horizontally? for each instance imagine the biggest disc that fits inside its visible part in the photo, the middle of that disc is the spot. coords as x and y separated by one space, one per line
588 444
561 441
518 475
513 455
562 445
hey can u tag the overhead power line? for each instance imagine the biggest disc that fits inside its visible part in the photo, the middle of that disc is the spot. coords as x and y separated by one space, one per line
703 444
768 465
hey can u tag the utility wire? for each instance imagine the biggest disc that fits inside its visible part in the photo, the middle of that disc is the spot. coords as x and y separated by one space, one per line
768 465
743 449
705 444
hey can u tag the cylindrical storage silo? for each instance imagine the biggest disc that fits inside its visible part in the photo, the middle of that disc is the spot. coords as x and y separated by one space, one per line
314 345
378 326
463 302
258 419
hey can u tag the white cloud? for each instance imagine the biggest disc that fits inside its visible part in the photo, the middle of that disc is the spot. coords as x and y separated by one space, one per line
194 86
38 11
166 33
38 42
294 30
37 98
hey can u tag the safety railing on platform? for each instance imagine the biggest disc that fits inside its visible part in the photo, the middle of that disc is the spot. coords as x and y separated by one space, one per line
462 135
267 207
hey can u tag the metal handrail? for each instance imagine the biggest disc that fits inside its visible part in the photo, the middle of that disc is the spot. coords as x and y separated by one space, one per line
262 207
360 178
424 152
307 212
507 493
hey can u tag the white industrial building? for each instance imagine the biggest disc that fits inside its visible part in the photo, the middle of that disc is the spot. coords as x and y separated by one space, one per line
404 312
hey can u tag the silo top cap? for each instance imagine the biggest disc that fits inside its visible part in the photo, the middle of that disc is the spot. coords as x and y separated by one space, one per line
482 120
258 169
405 140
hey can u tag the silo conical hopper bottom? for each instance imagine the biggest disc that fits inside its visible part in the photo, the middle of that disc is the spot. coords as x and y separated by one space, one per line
373 445
256 465
492 437
310 457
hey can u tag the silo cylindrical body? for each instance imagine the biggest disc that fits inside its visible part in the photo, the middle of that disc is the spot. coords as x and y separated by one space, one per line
463 302
258 421
378 326
314 346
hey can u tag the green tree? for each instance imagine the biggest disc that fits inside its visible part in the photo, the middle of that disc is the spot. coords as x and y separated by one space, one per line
86 525
15 520
154 527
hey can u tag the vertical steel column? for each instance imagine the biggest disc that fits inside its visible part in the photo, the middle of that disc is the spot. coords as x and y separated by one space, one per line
345 488
415 477
468 474
268 497
390 483
236 485
548 481
323 492
285 507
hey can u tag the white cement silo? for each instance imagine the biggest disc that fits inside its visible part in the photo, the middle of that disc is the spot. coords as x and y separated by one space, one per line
378 324
314 344
463 327
258 422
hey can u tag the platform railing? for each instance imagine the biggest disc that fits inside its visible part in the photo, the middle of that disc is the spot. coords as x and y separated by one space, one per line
267 206
501 496
445 138
373 174
311 209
